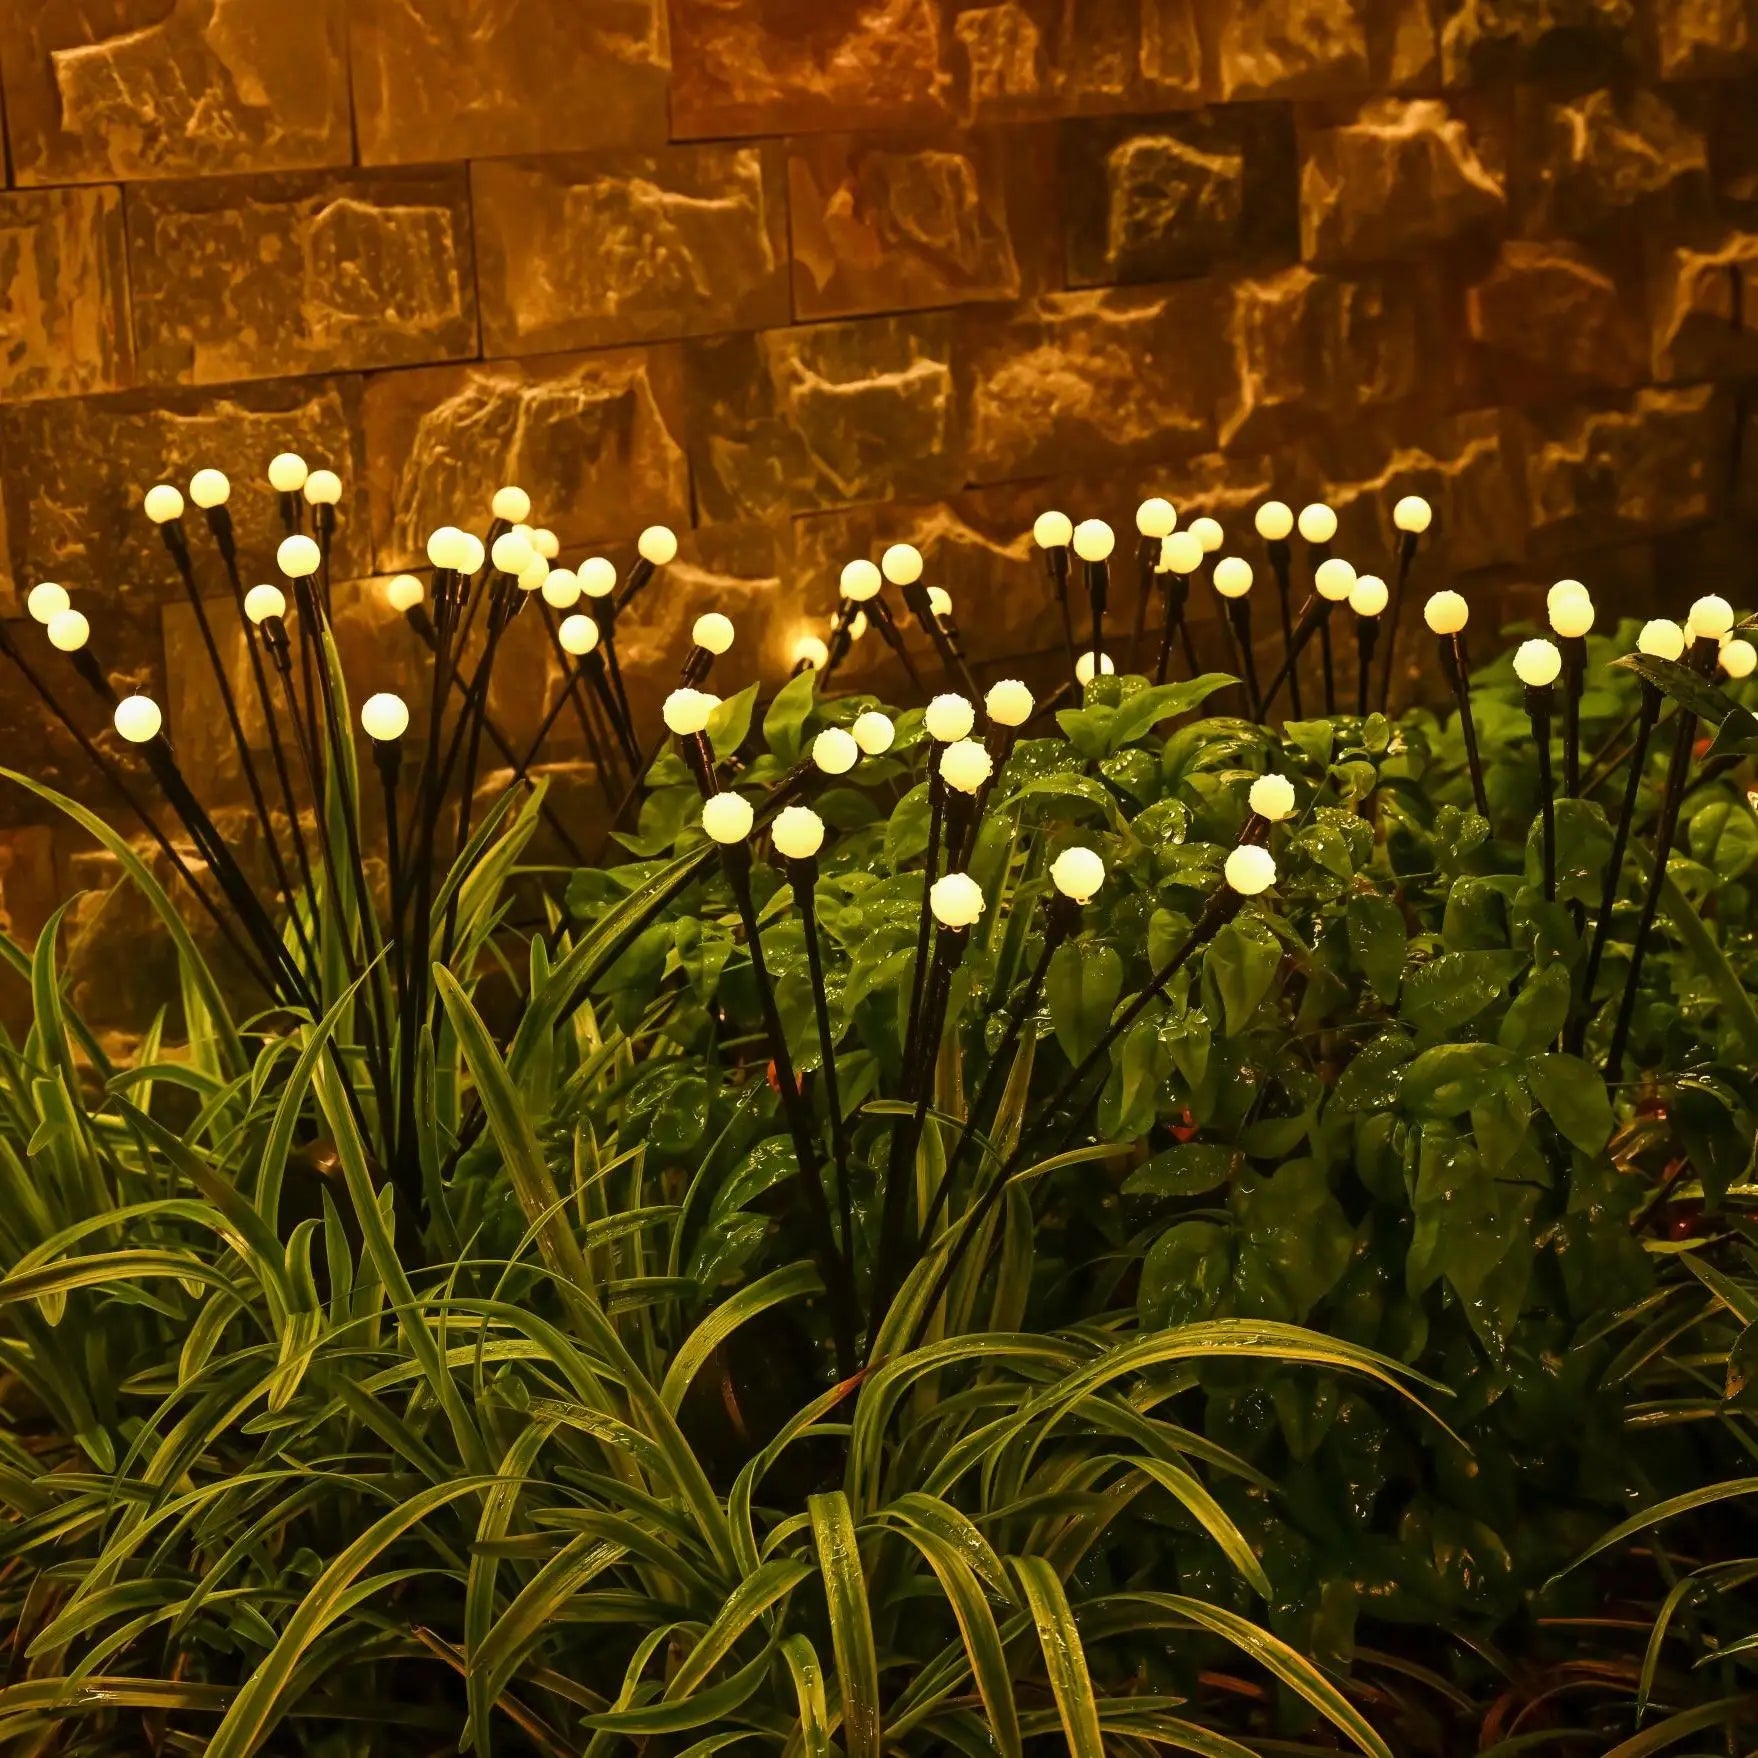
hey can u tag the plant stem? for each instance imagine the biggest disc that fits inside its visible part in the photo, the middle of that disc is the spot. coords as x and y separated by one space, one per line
1458 669
1314 615
803 877
1406 555
1367 630
1538 707
1056 569
1281 565
1574 652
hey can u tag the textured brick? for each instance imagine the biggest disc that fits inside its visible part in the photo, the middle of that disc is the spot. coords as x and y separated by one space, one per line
311 272
1705 318
1577 39
99 89
1549 313
1602 158
581 251
63 294
1699 38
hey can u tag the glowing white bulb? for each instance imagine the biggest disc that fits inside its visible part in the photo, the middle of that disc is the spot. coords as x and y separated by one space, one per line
949 717
1208 533
857 625
727 817
384 716
578 635
658 544
545 542
442 545
138 719
712 631
209 488
1738 657
1083 667
1446 613
1274 520
1334 579
798 833
1181 553
835 751
468 552
940 601
287 474
323 488
69 631
1232 576
1052 530
1318 524
1572 616
526 531
686 711
561 589
1710 618
533 574
901 564
1077 873
1155 517
873 732
298 557
1561 593
956 900
1250 869
163 504
47 601
965 765
598 576
512 504
263 602
811 652
1661 639
1272 797
861 581
1537 663
404 592
1009 703
1094 540
1413 514
512 551
1368 596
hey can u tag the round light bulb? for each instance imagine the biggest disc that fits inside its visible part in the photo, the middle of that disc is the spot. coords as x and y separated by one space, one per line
658 544
1710 618
1052 530
1208 533
578 635
686 711
404 592
1661 639
1318 524
727 817
47 601
384 716
1181 553
298 557
811 652
263 602
901 564
1233 576
1334 579
137 719
545 542
1561 593
835 751
287 473
1250 869
713 632
442 548
209 488
512 504
949 717
1094 540
956 900
1083 667
1368 597
1738 657
1446 613
1077 873
512 551
323 488
561 589
964 765
798 833
857 625
1156 517
1572 617
69 631
940 601
1272 797
163 504
468 553
873 732
1274 520
861 581
1413 514
528 532
598 576
1009 703
533 574
1537 663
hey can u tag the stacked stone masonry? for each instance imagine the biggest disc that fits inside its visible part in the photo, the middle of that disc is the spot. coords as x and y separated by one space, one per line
803 276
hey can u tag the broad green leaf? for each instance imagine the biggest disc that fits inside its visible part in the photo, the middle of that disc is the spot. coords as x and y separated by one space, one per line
1084 981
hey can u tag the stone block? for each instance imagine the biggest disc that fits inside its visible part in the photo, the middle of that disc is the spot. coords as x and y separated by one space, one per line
897 221
1151 199
1583 41
1600 159
1705 303
303 273
588 250
29 892
63 294
593 438
436 80
1291 49
1551 317
823 415
1698 39
1400 179
101 89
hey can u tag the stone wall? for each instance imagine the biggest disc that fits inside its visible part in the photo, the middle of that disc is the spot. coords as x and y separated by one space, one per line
798 276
